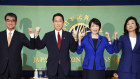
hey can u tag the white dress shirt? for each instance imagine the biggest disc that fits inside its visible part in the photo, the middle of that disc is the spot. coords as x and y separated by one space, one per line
12 32
133 42
56 33
32 35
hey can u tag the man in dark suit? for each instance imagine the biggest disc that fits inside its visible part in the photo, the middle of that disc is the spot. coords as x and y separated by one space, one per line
11 43
58 43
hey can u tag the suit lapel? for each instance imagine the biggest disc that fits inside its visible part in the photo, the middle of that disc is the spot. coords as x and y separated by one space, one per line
5 38
128 42
91 42
13 38
99 41
62 39
136 45
54 40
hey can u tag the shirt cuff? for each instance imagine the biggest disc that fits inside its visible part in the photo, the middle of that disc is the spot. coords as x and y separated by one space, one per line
32 35
36 35
76 39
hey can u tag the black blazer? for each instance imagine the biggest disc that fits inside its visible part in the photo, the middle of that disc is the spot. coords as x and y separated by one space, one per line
67 43
11 56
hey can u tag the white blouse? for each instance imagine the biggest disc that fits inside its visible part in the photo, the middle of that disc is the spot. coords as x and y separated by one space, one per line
133 42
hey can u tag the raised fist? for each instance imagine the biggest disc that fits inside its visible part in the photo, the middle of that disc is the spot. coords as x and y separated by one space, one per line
115 75
30 30
81 36
115 35
107 36
75 34
37 30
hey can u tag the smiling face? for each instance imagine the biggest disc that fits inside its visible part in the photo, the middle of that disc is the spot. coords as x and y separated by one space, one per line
58 23
10 22
94 28
131 26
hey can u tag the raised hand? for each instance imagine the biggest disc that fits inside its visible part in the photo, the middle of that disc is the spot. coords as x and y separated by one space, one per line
30 30
74 34
115 75
81 37
107 36
37 30
115 35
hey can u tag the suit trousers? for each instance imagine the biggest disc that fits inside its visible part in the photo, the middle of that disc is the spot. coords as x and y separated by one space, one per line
59 75
8 73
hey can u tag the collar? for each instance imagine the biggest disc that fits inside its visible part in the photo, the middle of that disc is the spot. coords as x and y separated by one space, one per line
58 31
9 31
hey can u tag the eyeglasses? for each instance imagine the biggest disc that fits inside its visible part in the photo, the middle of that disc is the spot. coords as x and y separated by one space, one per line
7 20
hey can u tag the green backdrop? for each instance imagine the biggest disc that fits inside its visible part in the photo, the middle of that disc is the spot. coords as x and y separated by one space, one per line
111 17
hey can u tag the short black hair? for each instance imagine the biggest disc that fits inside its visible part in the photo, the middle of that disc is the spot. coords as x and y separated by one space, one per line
58 14
95 21
137 24
11 15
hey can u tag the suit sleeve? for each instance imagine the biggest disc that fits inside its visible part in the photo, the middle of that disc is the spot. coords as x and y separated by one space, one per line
73 44
109 47
118 44
29 44
80 48
40 44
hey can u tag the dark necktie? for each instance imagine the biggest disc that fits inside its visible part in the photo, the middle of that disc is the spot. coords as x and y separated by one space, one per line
58 43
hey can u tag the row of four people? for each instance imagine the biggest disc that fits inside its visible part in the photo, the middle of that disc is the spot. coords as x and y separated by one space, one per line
58 43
